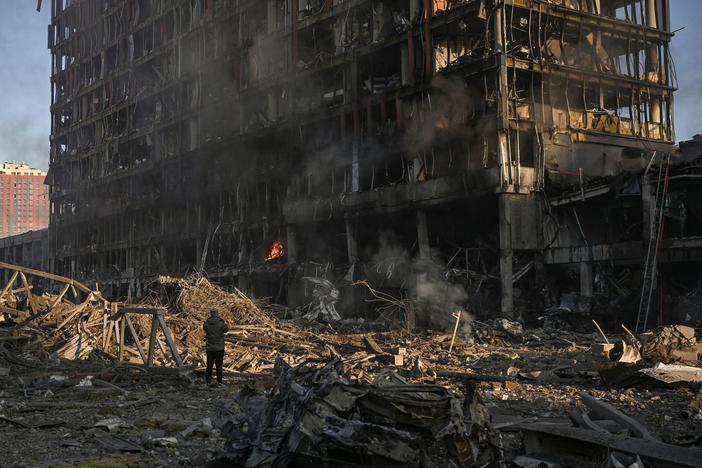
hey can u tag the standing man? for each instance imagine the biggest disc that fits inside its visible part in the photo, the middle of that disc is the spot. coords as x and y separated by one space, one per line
215 328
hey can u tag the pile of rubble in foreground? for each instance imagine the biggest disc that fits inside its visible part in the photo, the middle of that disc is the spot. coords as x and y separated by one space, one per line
347 393
317 417
87 327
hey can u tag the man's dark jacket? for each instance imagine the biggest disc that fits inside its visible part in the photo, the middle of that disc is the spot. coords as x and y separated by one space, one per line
215 328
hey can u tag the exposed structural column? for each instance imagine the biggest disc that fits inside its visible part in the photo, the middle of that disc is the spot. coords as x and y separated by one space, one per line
506 254
648 206
586 279
520 219
506 179
293 20
424 254
653 61
351 243
420 267
504 160
423 235
290 246
428 50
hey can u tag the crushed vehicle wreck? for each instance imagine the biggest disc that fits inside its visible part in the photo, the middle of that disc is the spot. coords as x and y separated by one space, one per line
316 416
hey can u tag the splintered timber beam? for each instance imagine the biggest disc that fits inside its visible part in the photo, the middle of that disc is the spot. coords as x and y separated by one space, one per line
169 339
137 340
43 274
9 284
152 341
114 319
30 296
579 447
121 317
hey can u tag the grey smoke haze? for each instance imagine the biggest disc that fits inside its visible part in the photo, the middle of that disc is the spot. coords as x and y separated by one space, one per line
451 106
24 77
24 82
438 298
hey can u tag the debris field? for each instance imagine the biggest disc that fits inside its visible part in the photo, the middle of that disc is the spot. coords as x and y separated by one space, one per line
341 392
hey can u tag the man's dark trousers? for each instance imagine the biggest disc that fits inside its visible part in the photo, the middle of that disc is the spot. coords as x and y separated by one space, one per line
214 357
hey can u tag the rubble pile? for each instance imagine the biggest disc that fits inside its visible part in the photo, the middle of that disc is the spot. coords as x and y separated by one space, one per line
338 392
316 414
676 343
598 434
255 336
666 358
52 325
192 298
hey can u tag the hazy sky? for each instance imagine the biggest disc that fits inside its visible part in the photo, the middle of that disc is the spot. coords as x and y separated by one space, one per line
26 64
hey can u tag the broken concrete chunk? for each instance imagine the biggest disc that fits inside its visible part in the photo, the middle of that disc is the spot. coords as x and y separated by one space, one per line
673 344
202 427
146 437
602 410
399 351
164 442
113 442
514 329
112 424
86 382
673 374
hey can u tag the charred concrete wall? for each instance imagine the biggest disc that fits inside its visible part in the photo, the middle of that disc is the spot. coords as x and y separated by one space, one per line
210 135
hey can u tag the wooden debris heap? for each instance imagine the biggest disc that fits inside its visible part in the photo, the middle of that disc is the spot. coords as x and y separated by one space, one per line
254 339
69 324
167 330
196 296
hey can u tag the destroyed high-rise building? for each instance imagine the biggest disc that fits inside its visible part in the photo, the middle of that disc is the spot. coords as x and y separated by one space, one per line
264 141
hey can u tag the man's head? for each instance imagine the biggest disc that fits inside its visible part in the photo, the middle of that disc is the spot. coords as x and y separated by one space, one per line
214 312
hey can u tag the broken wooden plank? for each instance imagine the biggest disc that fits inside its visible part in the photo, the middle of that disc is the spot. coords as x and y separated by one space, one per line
33 424
113 442
152 341
136 338
13 312
43 274
120 351
58 299
580 447
9 284
169 338
77 310
474 377
603 410
28 289
372 346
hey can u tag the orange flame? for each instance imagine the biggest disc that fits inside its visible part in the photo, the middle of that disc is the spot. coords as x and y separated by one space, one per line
276 251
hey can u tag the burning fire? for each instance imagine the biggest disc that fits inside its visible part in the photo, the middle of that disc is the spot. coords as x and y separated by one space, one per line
276 251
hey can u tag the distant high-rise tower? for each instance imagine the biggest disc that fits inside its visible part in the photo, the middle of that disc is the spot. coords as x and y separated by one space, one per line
24 200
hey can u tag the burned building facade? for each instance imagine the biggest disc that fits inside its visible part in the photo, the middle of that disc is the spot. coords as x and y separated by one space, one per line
263 141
